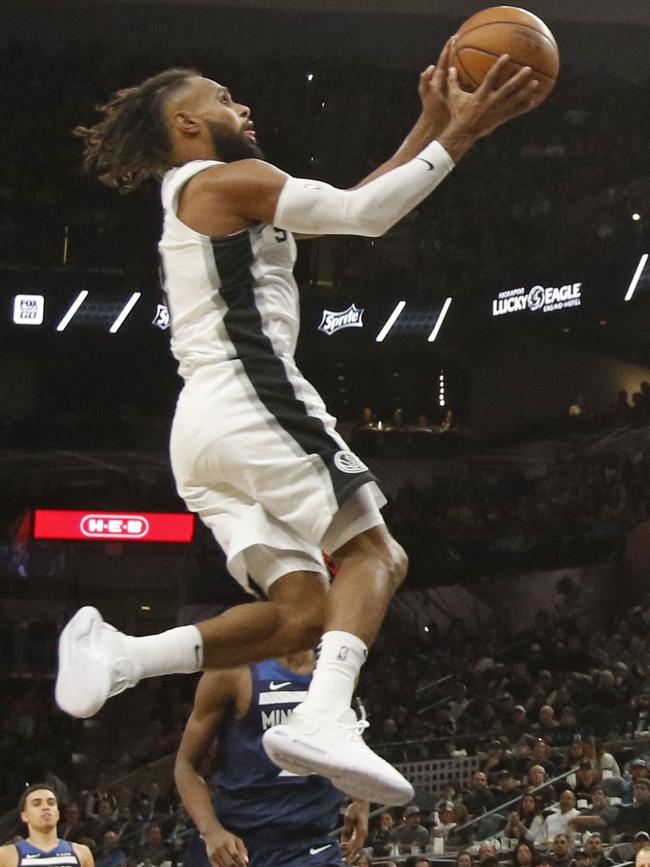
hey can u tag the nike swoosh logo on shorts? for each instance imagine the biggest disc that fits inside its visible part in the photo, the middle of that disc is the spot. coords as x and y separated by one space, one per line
422 160
273 685
316 849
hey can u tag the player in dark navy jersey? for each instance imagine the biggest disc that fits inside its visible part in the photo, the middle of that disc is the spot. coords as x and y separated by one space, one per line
259 812
39 810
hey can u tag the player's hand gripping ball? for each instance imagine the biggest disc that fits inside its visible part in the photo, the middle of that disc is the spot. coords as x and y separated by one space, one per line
488 34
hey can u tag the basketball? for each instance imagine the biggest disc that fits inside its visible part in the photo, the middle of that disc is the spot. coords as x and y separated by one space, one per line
506 30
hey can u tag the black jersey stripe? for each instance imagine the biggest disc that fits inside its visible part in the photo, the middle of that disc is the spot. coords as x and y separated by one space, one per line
233 257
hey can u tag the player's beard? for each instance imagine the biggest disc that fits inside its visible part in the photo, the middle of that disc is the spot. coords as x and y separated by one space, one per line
231 146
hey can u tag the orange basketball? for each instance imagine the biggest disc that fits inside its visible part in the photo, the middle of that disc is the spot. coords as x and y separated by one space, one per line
506 30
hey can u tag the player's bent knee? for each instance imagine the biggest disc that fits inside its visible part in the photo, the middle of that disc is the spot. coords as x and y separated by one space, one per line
308 621
399 564
301 600
377 548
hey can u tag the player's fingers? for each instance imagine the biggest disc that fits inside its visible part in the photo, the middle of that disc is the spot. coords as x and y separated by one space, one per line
516 82
452 81
439 79
234 859
352 852
529 97
491 80
427 73
239 853
443 61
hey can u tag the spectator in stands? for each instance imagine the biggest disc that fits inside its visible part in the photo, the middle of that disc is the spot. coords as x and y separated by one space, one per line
561 851
105 820
536 777
464 859
129 828
558 824
155 851
604 704
605 762
159 804
480 798
568 727
523 855
581 858
576 752
638 771
519 724
496 760
111 855
540 755
586 777
486 850
73 828
509 788
594 846
145 818
379 836
633 817
641 841
417 861
410 832
526 821
546 724
446 819
101 793
363 860
599 816
180 830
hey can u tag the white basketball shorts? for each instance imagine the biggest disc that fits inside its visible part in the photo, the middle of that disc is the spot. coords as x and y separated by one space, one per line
255 454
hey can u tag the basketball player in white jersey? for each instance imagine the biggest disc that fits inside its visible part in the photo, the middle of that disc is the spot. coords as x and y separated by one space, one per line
39 810
254 451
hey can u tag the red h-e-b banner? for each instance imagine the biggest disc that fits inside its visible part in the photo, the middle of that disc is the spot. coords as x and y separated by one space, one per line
116 526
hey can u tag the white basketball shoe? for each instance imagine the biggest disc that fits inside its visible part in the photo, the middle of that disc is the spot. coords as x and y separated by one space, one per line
93 665
334 748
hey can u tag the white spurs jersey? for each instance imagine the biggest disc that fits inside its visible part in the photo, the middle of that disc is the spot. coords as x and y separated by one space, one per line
229 297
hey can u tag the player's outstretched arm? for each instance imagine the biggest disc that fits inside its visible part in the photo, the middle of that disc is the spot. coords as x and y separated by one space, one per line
228 198
216 694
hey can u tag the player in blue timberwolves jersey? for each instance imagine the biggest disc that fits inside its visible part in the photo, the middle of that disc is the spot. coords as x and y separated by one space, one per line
259 812
39 810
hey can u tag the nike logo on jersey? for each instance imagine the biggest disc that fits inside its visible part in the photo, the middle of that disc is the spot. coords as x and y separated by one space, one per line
422 160
273 685
316 849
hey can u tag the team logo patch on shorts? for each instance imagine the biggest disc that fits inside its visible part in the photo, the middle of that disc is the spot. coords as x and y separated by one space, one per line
348 462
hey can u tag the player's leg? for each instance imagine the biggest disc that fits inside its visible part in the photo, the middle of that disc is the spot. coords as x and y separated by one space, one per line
97 661
323 734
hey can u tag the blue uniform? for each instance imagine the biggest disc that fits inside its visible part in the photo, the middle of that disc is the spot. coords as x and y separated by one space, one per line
283 819
63 855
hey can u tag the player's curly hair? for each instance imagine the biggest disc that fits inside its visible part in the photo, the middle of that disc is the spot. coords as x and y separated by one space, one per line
132 142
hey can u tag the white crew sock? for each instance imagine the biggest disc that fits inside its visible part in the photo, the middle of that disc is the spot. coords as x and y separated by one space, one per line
340 657
176 651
